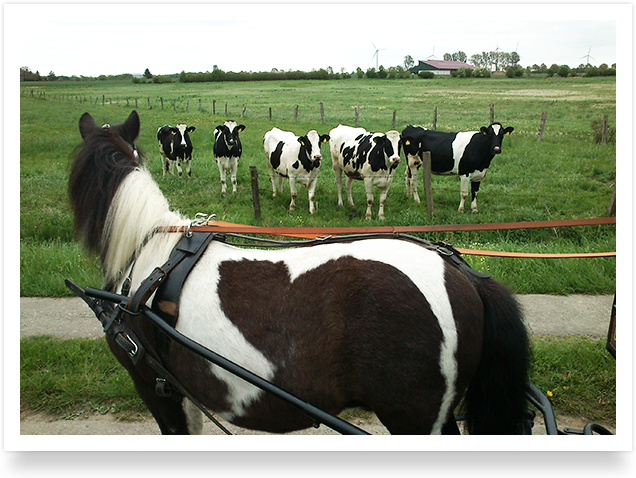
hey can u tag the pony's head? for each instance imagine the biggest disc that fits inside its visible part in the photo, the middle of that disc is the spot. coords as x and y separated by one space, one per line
106 157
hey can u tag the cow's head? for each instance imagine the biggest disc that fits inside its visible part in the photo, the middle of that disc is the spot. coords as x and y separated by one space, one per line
182 134
229 133
312 141
495 133
390 143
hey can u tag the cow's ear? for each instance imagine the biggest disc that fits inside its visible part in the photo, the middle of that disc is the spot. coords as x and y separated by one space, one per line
405 141
324 138
508 130
191 129
174 130
86 125
484 130
240 127
301 140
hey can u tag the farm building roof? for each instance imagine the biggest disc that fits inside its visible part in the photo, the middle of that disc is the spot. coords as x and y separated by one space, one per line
440 65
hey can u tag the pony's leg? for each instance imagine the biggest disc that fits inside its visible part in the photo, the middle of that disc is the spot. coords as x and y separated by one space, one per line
194 417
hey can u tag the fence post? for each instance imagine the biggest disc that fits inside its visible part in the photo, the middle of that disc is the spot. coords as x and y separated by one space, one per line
174 105
136 103
492 113
199 104
244 108
213 107
270 113
295 113
544 117
434 118
611 210
357 116
428 188
322 113
604 136
103 99
188 106
255 200
226 108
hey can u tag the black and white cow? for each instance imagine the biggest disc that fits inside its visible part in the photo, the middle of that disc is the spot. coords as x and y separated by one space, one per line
175 147
227 151
371 157
295 157
467 154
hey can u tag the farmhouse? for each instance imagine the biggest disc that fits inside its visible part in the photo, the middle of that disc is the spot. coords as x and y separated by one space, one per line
440 67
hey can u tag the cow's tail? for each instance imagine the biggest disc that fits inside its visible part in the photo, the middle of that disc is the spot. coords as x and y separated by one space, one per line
495 401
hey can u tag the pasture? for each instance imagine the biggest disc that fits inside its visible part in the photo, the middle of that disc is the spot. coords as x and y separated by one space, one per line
565 175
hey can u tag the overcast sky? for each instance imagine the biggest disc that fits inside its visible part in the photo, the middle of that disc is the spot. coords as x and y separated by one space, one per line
90 40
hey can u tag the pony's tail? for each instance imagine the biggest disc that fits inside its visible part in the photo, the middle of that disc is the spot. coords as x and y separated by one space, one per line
495 401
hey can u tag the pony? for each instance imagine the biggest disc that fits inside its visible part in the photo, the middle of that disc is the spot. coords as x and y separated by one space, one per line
381 323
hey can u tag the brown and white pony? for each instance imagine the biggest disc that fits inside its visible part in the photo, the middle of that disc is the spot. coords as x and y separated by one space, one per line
381 323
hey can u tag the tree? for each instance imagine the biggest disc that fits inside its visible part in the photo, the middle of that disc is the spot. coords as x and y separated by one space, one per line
408 62
147 74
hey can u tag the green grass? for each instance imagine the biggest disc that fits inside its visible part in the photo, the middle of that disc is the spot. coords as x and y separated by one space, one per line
80 377
566 175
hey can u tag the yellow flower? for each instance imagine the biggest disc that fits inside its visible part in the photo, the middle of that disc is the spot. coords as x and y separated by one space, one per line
549 393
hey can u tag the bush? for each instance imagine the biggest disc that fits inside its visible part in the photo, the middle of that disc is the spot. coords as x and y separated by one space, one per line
161 79
481 73
426 75
564 71
464 73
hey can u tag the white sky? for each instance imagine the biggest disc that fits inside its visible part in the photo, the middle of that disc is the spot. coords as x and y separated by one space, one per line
91 39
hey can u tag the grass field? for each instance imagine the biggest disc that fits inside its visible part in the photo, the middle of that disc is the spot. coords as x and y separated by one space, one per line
566 175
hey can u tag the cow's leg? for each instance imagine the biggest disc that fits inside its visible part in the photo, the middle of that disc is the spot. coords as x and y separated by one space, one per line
234 169
164 165
280 184
222 175
414 172
348 185
383 194
338 174
179 170
187 166
474 186
312 194
272 178
407 177
464 183
368 187
294 192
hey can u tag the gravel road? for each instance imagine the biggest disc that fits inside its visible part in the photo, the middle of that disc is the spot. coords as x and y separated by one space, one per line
66 318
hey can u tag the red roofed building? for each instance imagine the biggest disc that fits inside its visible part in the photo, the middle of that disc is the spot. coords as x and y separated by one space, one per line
440 67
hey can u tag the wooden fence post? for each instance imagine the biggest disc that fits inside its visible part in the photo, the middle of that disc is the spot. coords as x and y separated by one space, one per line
434 118
611 210
226 108
174 105
199 104
295 113
255 200
136 103
270 113
243 112
604 135
213 107
357 116
188 106
393 122
428 188
544 117
492 113
103 99
161 102
322 113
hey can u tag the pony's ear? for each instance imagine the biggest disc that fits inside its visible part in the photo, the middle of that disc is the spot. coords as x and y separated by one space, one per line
130 128
86 125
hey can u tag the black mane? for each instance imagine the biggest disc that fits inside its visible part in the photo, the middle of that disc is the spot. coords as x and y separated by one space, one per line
100 165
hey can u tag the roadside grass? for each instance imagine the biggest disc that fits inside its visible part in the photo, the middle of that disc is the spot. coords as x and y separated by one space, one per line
564 176
74 378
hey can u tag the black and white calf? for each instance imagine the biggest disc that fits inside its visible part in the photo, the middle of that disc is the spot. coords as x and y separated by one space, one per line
371 157
227 151
467 154
175 147
295 157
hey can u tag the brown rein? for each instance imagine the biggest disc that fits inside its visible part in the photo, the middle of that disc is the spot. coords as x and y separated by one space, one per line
316 232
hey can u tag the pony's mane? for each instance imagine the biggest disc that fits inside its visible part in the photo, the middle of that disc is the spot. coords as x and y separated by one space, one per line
101 164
